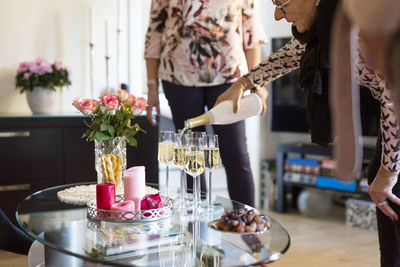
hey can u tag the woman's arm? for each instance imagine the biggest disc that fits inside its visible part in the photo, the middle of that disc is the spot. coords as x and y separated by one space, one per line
388 120
152 88
381 188
271 68
277 64
253 57
158 15
252 33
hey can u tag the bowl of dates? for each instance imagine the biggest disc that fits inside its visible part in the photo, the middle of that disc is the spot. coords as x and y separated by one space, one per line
241 221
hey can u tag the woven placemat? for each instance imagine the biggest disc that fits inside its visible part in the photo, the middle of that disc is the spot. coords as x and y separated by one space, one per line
82 194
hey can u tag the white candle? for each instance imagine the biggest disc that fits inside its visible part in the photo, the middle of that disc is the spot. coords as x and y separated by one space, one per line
107 47
91 24
119 15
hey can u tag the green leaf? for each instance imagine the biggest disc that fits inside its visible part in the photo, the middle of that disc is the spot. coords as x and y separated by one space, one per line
103 127
91 135
130 132
137 128
99 136
132 141
111 130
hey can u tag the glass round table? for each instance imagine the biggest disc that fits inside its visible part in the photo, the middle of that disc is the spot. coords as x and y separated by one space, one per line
71 239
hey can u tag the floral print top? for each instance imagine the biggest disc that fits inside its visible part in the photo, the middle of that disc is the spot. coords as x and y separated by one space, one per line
201 42
287 59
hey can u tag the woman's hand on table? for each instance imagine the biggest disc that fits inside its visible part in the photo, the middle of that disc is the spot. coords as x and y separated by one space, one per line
380 191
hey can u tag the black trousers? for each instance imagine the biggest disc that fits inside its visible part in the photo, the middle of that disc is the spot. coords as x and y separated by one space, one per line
388 230
12 238
188 102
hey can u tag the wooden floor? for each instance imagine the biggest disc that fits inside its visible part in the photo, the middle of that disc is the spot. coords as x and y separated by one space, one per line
8 259
327 242
324 242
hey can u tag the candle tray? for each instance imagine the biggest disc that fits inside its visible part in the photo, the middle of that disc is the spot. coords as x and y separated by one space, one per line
137 216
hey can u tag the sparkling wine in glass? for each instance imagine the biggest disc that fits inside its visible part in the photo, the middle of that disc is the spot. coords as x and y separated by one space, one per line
194 164
203 144
211 162
166 153
179 161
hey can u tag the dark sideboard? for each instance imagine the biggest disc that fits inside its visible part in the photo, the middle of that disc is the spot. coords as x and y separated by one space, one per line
41 151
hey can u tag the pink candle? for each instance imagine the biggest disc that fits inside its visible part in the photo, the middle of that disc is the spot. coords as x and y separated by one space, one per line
105 196
135 184
127 205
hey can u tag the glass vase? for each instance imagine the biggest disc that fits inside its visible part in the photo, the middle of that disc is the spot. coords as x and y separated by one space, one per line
110 160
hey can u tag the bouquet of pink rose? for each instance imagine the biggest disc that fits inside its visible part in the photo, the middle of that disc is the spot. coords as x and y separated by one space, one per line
111 116
41 73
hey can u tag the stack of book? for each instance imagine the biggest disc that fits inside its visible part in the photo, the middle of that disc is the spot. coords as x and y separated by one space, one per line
328 167
316 173
303 171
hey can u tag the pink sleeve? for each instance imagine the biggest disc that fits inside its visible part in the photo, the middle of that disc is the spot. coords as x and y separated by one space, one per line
158 16
388 121
253 32
277 64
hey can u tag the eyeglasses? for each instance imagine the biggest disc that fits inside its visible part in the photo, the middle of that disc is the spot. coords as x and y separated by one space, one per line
279 5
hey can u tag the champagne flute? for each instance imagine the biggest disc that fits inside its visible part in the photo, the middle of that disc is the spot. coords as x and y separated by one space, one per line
166 153
203 144
179 161
211 162
194 164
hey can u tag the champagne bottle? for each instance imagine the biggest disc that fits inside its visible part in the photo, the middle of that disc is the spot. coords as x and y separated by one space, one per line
222 113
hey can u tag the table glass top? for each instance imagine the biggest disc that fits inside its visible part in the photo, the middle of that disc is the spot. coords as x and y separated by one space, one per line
181 240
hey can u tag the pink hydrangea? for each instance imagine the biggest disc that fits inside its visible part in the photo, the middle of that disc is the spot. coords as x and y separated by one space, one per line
110 101
23 66
139 105
40 60
151 201
43 68
33 68
26 76
57 64
86 106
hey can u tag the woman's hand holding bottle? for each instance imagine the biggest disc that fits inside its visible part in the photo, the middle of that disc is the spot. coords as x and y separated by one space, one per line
235 93
263 94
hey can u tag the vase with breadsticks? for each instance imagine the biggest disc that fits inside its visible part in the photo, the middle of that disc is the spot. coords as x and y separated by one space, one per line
110 161
111 127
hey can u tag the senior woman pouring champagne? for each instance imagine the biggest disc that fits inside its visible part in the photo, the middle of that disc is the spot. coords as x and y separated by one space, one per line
309 51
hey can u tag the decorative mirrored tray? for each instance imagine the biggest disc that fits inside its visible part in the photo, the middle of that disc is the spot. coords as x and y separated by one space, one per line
137 216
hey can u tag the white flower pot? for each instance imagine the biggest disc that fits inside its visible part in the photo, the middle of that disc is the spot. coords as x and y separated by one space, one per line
41 100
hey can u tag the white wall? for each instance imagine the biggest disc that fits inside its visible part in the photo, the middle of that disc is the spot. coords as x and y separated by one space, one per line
60 30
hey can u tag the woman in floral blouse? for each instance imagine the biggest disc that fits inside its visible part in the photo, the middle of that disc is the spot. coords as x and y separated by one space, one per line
196 49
